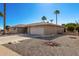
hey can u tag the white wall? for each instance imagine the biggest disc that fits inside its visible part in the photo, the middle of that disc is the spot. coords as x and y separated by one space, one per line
37 30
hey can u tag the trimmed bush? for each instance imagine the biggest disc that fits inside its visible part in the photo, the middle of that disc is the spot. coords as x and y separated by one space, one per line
70 28
77 28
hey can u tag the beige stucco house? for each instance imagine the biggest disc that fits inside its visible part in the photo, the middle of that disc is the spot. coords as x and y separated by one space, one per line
41 29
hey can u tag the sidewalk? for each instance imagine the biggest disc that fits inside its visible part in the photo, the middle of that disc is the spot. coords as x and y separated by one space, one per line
7 52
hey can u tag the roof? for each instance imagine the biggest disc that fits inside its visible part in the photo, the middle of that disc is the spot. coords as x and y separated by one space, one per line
43 23
37 24
20 25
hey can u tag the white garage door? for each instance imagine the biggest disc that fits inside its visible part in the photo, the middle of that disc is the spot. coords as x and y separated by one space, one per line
36 30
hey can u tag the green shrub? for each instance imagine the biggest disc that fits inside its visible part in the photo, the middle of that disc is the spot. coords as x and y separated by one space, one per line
77 28
70 28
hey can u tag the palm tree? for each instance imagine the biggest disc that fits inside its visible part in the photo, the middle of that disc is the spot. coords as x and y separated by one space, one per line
56 12
1 14
4 15
4 18
44 18
51 20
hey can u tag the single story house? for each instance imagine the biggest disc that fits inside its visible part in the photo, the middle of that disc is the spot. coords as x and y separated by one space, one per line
41 28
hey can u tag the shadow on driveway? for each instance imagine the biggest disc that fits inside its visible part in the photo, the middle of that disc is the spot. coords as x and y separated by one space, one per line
42 38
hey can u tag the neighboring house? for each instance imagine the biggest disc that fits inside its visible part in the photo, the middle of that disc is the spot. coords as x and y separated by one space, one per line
39 29
18 29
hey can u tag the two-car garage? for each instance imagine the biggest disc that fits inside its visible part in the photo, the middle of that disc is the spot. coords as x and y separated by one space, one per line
45 29
37 30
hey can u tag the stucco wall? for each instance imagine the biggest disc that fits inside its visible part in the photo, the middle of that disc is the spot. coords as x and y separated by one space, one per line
18 30
49 30
13 30
60 30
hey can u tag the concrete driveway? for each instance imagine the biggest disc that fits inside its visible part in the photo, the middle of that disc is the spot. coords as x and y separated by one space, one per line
12 38
69 45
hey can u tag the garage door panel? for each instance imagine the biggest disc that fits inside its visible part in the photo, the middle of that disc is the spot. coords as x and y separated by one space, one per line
36 30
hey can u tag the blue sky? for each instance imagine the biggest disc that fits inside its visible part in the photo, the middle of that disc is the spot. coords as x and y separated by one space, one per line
25 13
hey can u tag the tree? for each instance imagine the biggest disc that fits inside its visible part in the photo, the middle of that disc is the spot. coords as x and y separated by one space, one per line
4 18
70 28
51 20
77 22
77 27
4 15
73 24
7 28
1 14
43 18
56 12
